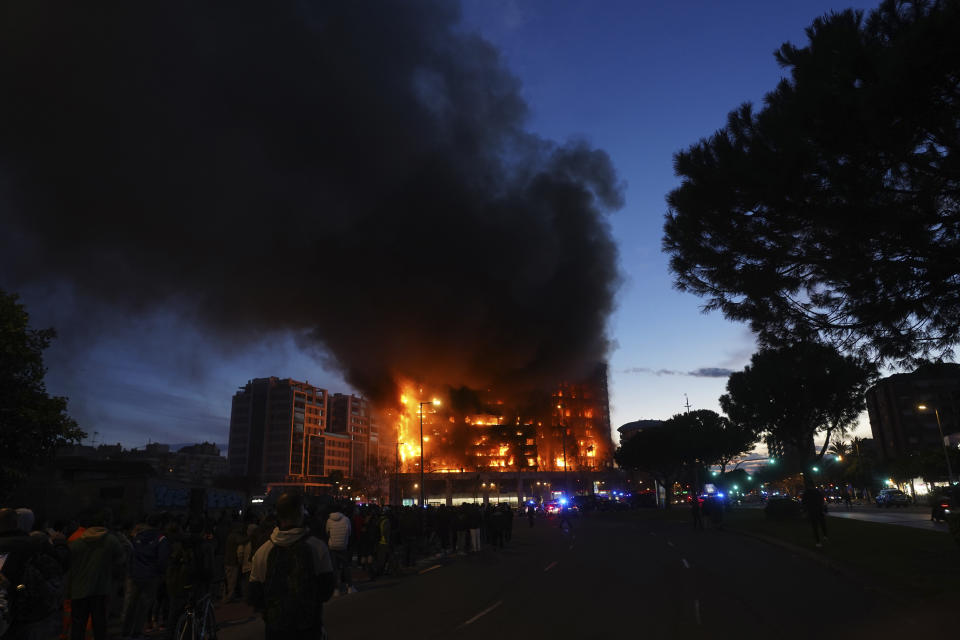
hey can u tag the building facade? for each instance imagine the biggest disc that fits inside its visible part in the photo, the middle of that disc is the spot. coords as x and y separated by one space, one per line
274 423
898 423
352 416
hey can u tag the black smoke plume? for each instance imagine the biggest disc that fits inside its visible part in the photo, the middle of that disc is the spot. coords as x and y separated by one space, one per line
359 170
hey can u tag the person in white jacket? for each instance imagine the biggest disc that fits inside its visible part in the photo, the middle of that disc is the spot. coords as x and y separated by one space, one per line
338 539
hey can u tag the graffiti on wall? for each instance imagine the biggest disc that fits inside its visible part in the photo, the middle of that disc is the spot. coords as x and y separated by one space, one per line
174 497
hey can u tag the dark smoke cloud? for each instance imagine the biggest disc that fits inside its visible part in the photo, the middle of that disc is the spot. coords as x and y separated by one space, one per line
702 372
356 170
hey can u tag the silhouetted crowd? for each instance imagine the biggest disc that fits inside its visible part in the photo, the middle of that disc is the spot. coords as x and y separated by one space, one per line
68 579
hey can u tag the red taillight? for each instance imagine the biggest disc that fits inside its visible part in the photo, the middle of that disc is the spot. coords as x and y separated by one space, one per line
945 505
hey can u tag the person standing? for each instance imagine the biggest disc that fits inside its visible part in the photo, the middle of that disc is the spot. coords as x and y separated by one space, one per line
292 577
812 502
150 553
474 519
697 512
338 538
37 562
94 557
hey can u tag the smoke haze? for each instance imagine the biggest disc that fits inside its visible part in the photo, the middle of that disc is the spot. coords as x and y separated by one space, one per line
356 172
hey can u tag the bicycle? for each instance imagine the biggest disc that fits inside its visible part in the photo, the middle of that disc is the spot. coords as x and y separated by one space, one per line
198 621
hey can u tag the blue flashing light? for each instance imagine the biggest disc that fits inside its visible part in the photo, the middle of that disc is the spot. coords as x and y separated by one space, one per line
719 495
563 501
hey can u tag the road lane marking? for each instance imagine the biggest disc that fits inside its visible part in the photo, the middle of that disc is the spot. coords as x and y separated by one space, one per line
550 566
696 610
436 566
669 543
685 563
482 613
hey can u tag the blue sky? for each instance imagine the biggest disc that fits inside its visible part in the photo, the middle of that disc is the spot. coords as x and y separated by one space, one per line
638 79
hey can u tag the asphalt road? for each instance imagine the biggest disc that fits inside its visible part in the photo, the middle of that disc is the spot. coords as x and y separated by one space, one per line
621 576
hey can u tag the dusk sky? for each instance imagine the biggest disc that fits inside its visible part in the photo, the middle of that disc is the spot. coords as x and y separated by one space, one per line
639 80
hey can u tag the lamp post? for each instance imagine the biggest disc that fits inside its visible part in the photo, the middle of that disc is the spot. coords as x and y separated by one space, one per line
946 455
563 444
435 403
397 472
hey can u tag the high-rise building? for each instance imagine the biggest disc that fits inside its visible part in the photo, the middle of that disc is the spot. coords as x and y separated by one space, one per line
274 422
351 416
899 425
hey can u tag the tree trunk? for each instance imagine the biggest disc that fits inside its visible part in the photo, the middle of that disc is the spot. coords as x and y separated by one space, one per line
667 492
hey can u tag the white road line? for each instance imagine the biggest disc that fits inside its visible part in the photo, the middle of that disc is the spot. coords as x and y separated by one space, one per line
696 610
669 543
685 563
550 566
436 566
482 613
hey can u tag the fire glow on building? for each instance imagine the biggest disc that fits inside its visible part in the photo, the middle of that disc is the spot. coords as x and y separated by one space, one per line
490 431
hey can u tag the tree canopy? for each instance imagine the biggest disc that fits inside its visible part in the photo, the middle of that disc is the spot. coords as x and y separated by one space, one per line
32 424
693 440
793 393
834 211
659 451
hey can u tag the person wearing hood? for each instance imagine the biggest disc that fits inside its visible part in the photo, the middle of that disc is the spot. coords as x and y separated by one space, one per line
94 557
32 567
292 576
338 538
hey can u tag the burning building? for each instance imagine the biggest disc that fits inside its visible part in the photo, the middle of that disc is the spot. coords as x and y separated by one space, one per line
494 431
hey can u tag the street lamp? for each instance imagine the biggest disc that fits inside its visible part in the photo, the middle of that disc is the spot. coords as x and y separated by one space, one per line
435 403
563 443
946 456
399 490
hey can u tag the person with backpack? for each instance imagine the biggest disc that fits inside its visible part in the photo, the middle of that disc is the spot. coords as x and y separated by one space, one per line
32 567
151 550
94 558
292 576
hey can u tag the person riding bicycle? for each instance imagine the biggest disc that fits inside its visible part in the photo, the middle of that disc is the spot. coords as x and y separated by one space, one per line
292 576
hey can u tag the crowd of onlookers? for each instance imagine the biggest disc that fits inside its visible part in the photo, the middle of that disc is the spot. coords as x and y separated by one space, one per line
68 579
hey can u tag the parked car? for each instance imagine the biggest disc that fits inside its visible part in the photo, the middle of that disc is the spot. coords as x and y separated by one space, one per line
892 498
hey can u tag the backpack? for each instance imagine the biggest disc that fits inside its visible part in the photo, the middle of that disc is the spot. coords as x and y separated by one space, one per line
291 589
43 583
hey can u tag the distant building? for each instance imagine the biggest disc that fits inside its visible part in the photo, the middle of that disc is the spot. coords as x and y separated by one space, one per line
631 429
274 423
899 426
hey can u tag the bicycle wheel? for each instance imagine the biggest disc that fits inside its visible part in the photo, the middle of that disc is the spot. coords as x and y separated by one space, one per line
208 630
184 629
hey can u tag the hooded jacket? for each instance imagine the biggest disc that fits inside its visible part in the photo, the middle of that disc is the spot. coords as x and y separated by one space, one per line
93 558
151 550
338 531
323 567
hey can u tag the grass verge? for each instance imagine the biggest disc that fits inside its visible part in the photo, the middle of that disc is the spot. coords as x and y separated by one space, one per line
899 559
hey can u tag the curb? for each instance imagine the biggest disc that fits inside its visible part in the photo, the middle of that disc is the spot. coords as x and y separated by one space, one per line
836 567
